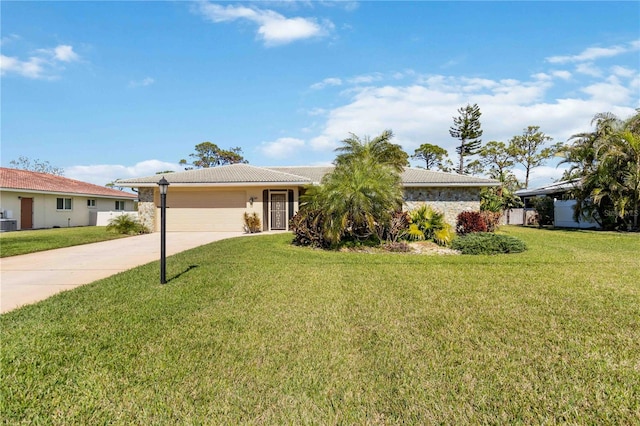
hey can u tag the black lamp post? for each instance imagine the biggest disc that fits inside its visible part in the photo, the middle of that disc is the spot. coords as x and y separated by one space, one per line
163 184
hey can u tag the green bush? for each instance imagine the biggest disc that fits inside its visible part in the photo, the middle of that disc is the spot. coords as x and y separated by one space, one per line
488 243
126 224
429 224
544 210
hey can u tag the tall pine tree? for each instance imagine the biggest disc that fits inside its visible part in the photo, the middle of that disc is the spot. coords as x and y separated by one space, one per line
466 128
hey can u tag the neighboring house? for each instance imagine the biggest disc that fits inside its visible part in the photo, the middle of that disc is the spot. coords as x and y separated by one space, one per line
563 206
30 200
216 198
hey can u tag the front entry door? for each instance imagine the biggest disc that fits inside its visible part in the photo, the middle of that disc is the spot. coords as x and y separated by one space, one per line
26 213
278 211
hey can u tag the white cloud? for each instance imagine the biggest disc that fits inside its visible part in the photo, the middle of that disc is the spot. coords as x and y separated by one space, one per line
101 174
281 148
423 112
34 67
589 69
564 75
331 81
366 78
610 91
273 28
42 65
8 39
594 53
65 53
147 81
623 71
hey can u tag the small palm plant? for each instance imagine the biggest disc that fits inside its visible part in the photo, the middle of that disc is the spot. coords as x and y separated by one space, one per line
126 224
429 224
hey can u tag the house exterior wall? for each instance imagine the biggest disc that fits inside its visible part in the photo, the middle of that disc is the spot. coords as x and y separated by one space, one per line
205 208
46 214
147 208
449 200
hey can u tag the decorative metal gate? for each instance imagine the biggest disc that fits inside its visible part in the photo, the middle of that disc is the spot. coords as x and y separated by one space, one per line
278 211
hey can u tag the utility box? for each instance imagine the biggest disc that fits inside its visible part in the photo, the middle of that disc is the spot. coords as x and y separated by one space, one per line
8 225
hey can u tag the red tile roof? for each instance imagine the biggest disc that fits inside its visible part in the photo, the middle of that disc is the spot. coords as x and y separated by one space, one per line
34 181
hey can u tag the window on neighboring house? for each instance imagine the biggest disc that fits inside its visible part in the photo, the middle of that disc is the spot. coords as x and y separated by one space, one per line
91 203
63 203
119 205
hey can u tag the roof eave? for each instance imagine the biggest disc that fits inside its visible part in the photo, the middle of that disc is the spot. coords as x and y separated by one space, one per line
76 194
449 185
209 184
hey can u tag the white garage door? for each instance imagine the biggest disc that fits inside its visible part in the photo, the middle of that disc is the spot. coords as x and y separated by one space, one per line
206 210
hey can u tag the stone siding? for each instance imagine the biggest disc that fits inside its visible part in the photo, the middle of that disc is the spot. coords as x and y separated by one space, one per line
147 208
450 201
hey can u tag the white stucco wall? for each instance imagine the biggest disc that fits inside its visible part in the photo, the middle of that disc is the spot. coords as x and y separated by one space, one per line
46 215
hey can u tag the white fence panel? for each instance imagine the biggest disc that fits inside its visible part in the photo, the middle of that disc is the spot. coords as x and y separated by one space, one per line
563 216
104 217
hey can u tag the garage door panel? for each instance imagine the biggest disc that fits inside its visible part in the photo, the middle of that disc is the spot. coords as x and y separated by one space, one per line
207 199
201 219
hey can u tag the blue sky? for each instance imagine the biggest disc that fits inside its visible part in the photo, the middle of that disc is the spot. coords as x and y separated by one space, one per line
111 90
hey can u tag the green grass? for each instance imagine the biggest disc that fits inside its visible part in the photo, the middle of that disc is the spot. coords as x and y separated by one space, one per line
24 242
256 331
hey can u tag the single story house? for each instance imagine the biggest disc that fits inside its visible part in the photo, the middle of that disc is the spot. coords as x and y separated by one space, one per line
216 198
563 207
30 200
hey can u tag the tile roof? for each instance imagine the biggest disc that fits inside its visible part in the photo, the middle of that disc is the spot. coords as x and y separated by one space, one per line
16 179
418 177
246 174
233 173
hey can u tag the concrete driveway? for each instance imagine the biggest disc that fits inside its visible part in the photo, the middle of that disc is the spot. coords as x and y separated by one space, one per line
33 277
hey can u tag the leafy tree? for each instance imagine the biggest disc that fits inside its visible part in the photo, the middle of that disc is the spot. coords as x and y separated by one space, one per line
496 158
114 185
432 155
25 163
474 167
529 149
210 155
466 128
607 161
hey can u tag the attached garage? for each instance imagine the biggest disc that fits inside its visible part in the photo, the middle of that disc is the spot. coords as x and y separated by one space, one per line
206 209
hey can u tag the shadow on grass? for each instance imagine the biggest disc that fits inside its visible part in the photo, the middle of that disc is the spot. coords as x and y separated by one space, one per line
178 275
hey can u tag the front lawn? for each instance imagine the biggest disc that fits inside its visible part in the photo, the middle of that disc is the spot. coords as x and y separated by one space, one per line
24 242
256 331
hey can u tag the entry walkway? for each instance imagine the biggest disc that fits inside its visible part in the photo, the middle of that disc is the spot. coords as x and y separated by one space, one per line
33 277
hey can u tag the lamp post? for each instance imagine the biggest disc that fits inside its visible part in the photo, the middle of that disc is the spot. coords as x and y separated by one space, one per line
163 184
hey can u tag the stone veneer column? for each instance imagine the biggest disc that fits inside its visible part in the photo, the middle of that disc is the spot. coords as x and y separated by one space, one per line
450 201
147 208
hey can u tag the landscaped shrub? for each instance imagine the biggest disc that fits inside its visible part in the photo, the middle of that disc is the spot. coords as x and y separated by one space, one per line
398 225
468 222
491 219
308 229
126 224
544 210
488 243
429 224
252 223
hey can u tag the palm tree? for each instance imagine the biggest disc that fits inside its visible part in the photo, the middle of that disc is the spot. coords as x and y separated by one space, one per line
358 199
608 162
379 149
